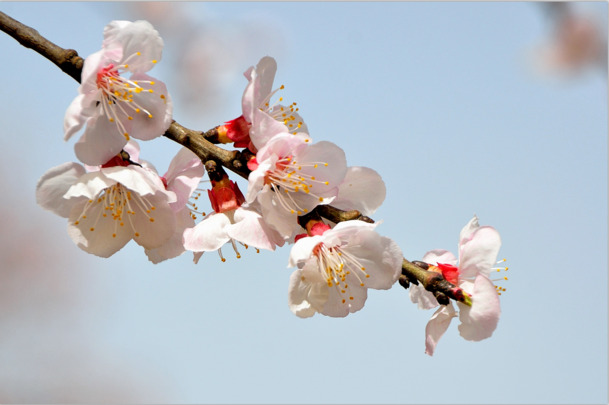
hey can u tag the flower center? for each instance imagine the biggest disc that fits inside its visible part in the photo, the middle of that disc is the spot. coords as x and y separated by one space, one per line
117 94
338 268
291 176
116 203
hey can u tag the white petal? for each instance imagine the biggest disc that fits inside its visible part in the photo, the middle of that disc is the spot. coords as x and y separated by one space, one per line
132 37
158 104
423 298
75 116
260 86
479 253
183 176
141 180
380 256
208 235
436 256
264 127
437 325
174 245
153 227
54 184
480 320
303 249
468 229
100 142
89 185
341 304
251 229
97 234
363 189
307 292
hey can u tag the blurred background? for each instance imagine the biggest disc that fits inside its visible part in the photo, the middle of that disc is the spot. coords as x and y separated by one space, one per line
497 109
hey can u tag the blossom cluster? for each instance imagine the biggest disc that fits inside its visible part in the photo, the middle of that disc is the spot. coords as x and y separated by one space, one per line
113 196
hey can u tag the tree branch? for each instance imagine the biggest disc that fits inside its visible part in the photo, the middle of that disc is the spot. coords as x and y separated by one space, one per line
202 144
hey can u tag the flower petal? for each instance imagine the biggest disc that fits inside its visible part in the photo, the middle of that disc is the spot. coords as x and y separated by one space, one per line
154 105
479 253
208 235
260 86
133 37
95 233
100 142
89 185
183 176
174 246
54 184
152 226
380 256
141 180
437 325
251 229
307 292
436 256
423 298
480 320
362 189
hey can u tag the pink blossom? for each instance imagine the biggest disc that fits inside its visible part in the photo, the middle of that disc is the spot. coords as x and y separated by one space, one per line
108 207
478 249
291 176
111 107
262 120
336 267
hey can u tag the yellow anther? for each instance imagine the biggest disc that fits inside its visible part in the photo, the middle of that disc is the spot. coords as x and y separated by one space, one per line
137 234
92 229
154 61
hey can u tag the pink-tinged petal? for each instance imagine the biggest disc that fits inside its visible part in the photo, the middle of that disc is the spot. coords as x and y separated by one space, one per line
307 292
436 256
152 227
479 254
341 304
256 181
54 184
133 37
363 189
75 117
89 185
335 170
183 176
174 245
285 222
100 142
141 180
302 250
423 298
480 320
92 64
95 233
437 325
264 127
279 146
251 229
208 235
468 230
260 86
155 108
380 257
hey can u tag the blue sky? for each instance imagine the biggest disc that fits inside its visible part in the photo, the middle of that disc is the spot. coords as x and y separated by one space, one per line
439 98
